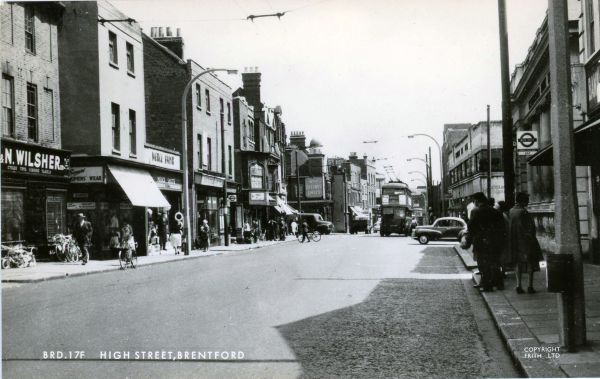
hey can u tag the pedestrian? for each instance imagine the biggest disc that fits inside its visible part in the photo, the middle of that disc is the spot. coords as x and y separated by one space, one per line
83 236
115 242
282 229
127 240
485 231
506 261
255 230
204 235
304 231
162 224
295 228
247 232
524 246
176 235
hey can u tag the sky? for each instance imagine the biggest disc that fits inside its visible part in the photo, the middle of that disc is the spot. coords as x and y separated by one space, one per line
348 71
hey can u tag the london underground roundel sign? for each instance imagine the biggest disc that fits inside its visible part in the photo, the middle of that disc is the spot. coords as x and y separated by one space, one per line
527 142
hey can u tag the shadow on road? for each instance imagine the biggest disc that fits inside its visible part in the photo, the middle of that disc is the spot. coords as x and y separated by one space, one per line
437 261
404 328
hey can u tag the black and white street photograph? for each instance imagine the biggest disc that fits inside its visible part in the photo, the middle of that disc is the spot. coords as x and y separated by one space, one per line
300 189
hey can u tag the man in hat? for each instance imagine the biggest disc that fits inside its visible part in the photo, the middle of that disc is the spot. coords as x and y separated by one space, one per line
83 236
486 231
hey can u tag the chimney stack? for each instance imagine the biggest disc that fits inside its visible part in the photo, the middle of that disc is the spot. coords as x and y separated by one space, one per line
298 139
173 43
251 82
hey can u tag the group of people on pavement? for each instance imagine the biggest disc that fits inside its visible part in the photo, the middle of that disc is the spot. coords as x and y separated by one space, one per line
503 240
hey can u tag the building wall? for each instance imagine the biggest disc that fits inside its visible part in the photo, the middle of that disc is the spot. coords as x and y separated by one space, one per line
119 86
79 83
164 76
40 69
207 123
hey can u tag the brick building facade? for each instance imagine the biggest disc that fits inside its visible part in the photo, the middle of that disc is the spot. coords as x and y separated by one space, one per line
35 170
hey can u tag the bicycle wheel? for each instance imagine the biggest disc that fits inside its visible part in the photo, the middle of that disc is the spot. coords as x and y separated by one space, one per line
122 260
133 259
315 236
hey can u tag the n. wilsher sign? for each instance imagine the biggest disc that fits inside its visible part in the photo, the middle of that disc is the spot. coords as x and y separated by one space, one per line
24 158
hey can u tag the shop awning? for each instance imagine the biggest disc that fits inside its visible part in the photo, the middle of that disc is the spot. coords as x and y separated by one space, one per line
359 213
139 187
285 208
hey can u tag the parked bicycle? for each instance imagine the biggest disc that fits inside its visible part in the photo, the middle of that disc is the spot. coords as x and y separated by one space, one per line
312 236
64 248
17 256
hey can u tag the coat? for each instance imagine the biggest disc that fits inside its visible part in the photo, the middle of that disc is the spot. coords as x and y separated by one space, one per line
83 233
524 246
486 231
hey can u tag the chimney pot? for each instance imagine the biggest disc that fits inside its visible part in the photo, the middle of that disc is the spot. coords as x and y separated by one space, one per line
160 31
169 31
178 32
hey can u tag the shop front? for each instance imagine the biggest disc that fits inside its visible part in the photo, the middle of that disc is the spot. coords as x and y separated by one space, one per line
167 175
110 195
209 190
35 181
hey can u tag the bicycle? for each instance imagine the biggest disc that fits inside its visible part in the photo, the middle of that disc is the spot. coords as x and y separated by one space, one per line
128 257
314 236
65 249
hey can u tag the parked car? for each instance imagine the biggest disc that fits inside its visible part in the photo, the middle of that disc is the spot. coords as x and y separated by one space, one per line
316 222
443 228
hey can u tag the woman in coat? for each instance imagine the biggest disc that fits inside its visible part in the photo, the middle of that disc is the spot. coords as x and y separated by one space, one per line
524 246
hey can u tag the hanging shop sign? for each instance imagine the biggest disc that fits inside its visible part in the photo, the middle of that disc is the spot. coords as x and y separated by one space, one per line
23 158
160 158
527 142
84 175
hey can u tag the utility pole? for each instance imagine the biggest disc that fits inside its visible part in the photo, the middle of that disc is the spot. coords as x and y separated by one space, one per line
571 303
225 214
507 127
298 183
489 156
432 202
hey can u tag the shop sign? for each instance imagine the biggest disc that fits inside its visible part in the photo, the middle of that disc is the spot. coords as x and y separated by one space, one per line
87 175
385 199
80 195
527 142
33 159
212 181
314 188
167 183
81 205
258 198
163 159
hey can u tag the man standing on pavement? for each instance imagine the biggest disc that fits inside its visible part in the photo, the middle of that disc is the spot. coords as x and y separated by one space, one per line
162 223
486 232
83 236
304 231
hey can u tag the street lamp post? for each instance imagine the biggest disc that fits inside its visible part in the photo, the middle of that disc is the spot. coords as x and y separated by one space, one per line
418 172
186 200
427 185
441 168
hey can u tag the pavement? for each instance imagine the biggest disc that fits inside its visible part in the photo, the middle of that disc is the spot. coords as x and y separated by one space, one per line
348 306
529 325
43 271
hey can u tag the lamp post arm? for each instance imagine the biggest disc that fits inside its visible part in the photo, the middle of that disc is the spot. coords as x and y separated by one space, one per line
443 194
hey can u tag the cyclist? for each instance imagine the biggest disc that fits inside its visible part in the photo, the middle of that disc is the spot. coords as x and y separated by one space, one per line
304 231
127 241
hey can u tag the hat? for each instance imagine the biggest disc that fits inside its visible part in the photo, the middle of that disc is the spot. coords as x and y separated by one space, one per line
205 221
80 215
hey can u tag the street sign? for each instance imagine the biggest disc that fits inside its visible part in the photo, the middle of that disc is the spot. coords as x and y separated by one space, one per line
527 142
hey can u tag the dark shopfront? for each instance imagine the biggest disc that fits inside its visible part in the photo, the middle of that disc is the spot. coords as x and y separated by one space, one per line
34 192
110 195
210 206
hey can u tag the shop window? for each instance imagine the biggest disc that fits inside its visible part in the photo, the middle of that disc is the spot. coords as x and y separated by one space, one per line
13 215
55 214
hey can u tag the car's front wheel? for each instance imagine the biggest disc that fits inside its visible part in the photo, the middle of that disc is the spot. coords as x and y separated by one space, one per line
423 239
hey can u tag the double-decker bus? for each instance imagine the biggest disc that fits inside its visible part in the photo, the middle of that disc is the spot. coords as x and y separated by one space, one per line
396 208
